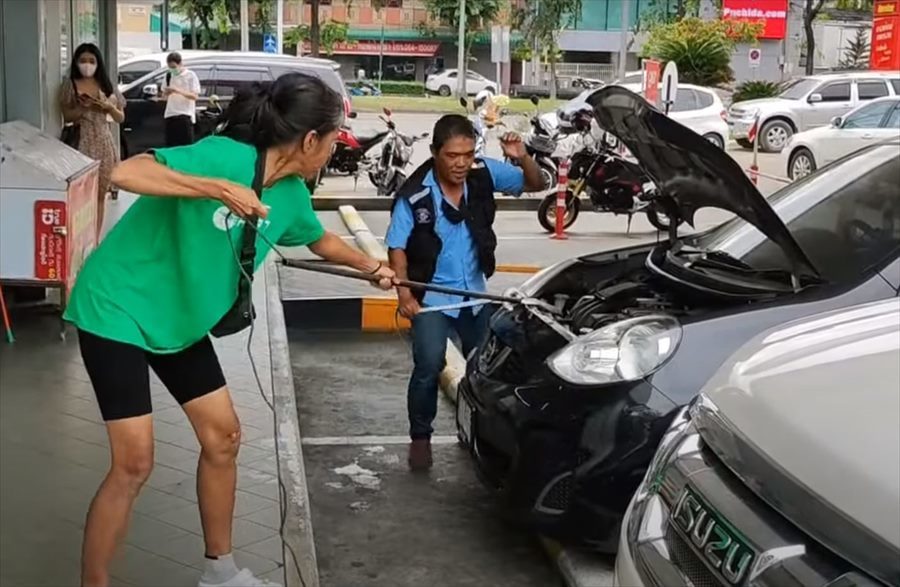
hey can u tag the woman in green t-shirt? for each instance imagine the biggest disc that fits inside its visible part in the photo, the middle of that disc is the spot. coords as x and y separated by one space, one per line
167 273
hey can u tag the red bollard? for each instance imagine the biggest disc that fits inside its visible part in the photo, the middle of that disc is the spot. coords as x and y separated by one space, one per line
754 174
563 187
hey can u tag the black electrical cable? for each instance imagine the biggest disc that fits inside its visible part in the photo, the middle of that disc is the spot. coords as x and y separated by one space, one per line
282 491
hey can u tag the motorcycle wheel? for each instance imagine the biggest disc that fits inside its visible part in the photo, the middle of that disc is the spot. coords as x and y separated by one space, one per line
547 212
549 176
660 220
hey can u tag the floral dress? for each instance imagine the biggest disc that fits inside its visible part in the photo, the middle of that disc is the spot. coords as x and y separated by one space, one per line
95 137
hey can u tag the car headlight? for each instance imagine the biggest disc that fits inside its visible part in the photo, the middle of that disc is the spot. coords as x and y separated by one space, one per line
624 351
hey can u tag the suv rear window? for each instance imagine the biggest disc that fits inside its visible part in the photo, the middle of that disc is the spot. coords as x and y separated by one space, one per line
329 76
871 89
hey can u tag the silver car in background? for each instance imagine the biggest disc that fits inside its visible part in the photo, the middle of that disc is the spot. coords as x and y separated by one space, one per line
786 469
808 102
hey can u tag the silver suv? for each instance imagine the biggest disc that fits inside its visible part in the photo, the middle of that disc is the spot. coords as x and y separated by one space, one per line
806 103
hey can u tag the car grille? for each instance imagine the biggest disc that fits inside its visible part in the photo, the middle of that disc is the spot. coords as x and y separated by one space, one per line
689 563
557 495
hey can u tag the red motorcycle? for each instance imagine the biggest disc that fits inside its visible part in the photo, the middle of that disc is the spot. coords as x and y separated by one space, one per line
351 149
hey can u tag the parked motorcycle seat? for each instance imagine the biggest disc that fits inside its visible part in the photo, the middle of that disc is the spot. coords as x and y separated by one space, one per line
368 140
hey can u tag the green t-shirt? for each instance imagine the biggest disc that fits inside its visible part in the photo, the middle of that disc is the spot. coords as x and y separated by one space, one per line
166 273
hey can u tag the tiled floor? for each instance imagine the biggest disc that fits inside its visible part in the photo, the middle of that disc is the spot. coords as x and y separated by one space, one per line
53 455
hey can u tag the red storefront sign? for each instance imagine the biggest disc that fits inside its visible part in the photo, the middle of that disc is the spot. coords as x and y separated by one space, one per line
771 13
391 48
885 53
50 240
652 73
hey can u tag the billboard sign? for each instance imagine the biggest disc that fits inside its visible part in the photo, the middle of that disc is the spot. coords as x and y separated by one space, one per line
773 15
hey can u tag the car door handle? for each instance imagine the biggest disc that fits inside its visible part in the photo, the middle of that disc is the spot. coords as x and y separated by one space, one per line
868 136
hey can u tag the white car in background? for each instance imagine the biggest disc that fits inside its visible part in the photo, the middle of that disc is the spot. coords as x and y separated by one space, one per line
696 107
443 83
875 121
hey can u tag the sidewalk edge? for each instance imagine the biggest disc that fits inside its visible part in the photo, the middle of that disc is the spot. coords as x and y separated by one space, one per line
298 534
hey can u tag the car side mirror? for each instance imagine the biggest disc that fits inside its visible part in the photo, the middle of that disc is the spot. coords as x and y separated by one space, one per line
837 122
353 115
150 91
815 98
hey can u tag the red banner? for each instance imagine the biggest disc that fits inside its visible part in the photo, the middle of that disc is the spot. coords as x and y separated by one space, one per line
391 48
652 74
50 240
771 13
885 53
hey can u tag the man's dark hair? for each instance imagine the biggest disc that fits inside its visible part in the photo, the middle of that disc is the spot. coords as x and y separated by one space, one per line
449 127
174 58
276 113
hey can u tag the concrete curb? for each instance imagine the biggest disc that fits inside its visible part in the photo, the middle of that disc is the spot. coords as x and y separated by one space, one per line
298 535
373 204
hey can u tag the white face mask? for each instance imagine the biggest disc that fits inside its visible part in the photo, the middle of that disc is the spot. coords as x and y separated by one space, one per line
87 69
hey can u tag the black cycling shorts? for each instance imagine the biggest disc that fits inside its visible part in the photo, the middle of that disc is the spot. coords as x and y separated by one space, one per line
120 374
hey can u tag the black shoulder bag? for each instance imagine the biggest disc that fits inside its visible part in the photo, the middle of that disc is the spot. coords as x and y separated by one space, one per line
242 313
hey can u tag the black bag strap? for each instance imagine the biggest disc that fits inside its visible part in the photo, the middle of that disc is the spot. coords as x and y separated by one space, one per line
248 244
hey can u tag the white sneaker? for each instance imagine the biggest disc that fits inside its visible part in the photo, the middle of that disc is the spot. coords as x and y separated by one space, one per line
243 579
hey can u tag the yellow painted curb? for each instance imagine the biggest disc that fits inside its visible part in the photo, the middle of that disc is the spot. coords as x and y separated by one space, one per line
380 315
514 268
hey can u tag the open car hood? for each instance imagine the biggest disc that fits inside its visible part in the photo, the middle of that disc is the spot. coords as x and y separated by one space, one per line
690 170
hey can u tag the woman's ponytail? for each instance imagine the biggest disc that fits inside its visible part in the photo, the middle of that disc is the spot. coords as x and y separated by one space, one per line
273 113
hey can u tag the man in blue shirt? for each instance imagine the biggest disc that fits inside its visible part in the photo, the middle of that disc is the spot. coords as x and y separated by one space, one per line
441 232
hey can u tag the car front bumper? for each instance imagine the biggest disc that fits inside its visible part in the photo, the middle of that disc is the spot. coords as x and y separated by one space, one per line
739 128
565 468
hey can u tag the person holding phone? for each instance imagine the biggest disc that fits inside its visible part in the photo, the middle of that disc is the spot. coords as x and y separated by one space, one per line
90 102
180 91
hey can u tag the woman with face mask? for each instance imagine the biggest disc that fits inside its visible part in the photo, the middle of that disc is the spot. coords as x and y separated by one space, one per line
90 102
168 273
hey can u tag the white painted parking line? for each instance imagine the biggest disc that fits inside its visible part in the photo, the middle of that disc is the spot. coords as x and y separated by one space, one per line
375 440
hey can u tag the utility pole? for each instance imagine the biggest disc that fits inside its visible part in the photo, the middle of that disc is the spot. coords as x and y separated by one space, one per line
461 55
245 25
623 43
381 53
279 26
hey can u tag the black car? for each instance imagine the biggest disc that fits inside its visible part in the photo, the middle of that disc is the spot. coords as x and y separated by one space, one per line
563 410
221 75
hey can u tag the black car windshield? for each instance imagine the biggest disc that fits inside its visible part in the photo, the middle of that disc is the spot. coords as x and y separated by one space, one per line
846 218
798 89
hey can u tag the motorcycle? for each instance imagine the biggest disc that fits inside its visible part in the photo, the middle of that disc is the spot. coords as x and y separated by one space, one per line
611 182
541 144
350 150
387 172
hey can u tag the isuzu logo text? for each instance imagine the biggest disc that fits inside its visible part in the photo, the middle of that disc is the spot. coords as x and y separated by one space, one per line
714 539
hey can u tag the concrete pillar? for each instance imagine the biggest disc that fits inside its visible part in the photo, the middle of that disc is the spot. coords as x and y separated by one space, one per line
24 63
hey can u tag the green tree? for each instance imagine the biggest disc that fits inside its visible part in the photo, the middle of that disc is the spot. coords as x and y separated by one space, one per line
810 10
702 49
854 5
857 52
330 34
480 14
541 27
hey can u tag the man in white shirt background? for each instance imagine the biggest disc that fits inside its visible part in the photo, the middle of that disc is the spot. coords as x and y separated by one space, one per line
180 90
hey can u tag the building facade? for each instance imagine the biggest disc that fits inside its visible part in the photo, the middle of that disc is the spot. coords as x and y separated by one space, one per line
37 39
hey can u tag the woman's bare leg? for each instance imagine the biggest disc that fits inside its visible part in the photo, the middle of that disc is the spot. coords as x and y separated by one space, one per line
131 445
219 432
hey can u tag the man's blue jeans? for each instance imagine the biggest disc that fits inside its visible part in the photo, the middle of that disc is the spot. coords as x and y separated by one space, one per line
429 333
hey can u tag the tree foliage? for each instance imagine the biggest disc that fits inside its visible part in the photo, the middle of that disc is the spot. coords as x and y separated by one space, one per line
751 90
330 34
541 28
702 49
217 18
480 14
857 53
